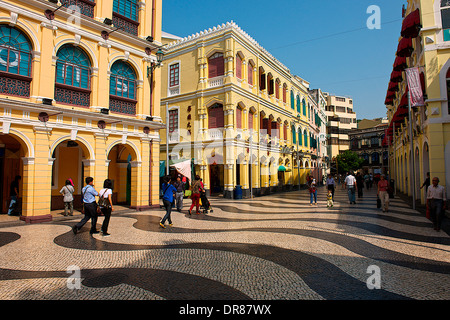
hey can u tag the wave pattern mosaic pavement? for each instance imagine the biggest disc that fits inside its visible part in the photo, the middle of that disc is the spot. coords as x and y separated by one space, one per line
269 248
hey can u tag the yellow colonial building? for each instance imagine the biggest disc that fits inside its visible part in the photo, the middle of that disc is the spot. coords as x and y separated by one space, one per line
239 114
424 43
79 96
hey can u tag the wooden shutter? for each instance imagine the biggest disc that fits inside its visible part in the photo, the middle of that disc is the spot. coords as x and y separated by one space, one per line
262 81
250 74
238 67
250 120
216 66
215 117
238 118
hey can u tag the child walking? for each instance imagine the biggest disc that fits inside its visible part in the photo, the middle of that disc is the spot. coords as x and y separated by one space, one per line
329 199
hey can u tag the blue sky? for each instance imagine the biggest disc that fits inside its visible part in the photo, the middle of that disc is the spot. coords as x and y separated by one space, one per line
328 45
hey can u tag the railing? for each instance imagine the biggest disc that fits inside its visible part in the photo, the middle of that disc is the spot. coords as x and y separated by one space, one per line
215 82
72 96
214 134
174 91
86 7
127 24
122 105
14 85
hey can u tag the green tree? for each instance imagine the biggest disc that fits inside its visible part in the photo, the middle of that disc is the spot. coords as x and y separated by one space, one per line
348 160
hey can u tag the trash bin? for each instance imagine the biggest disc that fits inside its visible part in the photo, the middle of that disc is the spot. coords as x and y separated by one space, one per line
238 192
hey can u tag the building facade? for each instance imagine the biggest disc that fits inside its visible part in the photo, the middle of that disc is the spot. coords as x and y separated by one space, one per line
425 44
238 114
369 143
77 100
341 119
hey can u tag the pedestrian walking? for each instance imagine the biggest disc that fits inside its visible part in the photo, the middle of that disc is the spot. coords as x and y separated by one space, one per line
195 197
14 194
106 204
168 191
179 195
329 199
331 184
437 201
313 192
90 207
67 191
382 192
350 184
359 184
426 183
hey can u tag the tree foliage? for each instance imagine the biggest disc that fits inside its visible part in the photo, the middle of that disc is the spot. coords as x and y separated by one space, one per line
348 160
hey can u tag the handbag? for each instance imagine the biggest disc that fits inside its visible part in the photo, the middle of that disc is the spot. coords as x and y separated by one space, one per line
187 193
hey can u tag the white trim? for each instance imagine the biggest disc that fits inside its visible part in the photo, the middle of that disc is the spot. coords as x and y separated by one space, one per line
129 143
177 87
177 129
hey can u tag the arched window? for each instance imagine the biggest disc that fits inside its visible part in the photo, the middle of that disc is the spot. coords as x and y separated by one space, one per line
304 107
238 118
73 67
73 76
15 62
122 88
375 158
284 92
300 140
305 138
250 73
298 104
216 65
292 100
294 135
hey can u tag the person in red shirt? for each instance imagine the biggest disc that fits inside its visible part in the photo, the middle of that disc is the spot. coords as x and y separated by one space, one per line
382 193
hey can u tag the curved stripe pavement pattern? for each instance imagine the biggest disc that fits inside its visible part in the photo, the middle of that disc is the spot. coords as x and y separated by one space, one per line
268 248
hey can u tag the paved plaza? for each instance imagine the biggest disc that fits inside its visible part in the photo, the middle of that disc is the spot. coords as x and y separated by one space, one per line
267 248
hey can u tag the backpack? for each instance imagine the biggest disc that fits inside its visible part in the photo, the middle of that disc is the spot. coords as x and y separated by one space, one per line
103 202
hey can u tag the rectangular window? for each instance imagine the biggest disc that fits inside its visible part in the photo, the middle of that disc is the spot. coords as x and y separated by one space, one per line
174 75
173 120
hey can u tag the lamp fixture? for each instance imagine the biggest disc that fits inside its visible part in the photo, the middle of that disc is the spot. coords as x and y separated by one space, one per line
159 59
104 110
50 14
149 39
105 34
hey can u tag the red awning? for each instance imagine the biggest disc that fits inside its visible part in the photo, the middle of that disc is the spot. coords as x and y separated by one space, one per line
396 76
405 48
411 25
393 86
400 64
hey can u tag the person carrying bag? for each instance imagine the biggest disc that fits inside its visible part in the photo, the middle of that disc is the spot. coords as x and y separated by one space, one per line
105 204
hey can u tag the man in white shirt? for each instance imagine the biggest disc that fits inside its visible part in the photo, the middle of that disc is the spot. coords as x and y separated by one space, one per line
350 184
436 200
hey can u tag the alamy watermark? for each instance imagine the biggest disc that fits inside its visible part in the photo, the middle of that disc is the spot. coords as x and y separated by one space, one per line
374 20
374 280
